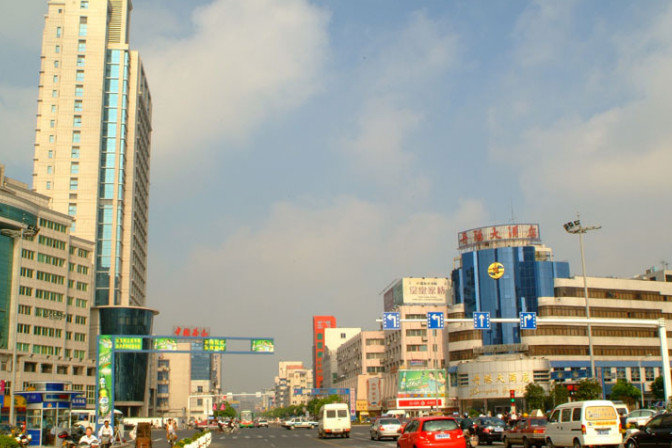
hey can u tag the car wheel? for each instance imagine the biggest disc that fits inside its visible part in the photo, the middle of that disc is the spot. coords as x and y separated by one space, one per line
549 443
577 443
630 444
526 443
506 443
489 442
378 437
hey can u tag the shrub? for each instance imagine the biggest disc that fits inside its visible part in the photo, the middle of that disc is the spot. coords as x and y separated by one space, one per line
8 442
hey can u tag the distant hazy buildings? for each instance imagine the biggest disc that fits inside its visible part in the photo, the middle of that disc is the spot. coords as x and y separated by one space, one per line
92 156
50 273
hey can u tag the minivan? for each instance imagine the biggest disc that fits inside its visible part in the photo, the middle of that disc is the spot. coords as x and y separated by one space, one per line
334 420
584 423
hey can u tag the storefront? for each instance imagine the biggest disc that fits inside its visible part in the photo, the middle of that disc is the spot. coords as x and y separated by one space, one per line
48 407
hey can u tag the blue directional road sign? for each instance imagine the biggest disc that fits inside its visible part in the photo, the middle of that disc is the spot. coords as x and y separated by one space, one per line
435 320
528 321
481 321
391 321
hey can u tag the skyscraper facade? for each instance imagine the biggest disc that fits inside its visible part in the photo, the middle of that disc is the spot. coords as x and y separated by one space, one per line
92 144
92 154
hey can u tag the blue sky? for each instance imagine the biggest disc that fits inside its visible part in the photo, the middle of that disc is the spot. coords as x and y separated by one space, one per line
306 154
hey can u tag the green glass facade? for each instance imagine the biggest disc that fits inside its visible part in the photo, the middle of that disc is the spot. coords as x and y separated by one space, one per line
6 269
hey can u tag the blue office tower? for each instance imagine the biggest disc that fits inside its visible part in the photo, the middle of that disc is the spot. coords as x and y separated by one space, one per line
504 270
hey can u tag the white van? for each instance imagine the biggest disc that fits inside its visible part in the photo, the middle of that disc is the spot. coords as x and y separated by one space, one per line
334 420
584 423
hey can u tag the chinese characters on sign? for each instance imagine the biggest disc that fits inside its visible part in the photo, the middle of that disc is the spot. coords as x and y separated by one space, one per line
191 331
497 384
214 345
483 235
128 343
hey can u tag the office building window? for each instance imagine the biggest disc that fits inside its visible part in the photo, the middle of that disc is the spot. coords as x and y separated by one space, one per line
56 63
81 46
55 79
59 31
76 137
77 121
48 185
78 105
79 77
84 4
74 183
50 169
52 139
79 90
54 93
72 209
82 27
50 154
635 374
52 123
53 108
649 374
57 49
80 61
74 168
74 153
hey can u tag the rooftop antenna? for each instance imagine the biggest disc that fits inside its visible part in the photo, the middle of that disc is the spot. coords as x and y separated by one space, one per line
665 265
513 216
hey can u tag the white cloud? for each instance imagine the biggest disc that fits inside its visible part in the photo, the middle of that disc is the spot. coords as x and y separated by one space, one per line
245 62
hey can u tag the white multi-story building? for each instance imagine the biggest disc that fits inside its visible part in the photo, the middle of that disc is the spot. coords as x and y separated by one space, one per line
333 339
292 376
46 292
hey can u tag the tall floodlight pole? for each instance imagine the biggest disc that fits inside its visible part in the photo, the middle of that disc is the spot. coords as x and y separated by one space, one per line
575 227
17 235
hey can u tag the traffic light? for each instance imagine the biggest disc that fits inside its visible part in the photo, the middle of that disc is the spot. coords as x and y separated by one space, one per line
512 396
571 389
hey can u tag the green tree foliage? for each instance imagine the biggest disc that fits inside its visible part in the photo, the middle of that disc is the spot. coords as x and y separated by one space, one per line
315 404
535 396
558 395
589 389
658 389
8 442
227 412
626 392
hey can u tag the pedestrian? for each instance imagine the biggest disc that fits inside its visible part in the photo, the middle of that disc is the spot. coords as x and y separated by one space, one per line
89 438
105 434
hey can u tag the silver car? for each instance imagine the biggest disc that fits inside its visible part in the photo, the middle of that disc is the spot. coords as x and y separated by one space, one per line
639 417
385 427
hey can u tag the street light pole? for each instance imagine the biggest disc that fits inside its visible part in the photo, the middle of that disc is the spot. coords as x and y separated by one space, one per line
16 234
575 227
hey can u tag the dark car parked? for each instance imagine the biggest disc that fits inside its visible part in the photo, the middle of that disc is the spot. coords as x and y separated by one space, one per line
489 429
657 433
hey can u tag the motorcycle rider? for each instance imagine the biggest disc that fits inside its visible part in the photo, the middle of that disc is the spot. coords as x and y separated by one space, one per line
105 434
89 438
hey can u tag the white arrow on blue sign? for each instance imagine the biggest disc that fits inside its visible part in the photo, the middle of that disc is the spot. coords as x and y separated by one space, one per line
391 321
481 320
528 321
435 320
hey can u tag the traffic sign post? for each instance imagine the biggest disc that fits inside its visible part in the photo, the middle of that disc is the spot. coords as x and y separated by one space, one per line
481 320
528 321
391 321
435 320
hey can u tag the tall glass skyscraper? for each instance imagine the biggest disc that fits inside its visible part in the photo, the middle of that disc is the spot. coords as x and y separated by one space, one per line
92 144
92 154
504 270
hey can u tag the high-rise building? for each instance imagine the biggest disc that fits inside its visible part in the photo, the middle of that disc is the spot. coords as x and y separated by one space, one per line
92 152
320 323
333 339
92 143
292 385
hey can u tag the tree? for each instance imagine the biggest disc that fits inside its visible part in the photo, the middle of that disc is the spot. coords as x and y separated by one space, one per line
314 405
658 389
589 389
535 396
625 391
559 395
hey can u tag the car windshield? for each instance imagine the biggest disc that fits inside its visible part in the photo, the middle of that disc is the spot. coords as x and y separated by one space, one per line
389 421
494 422
439 425
538 422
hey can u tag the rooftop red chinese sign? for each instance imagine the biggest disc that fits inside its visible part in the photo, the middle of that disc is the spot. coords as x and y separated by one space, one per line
493 236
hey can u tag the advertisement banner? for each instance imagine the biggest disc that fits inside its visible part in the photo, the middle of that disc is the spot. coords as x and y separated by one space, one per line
214 345
104 376
419 403
418 290
263 345
128 343
165 344
485 236
421 383
373 393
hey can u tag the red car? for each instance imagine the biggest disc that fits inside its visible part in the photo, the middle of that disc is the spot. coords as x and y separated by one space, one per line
432 432
527 431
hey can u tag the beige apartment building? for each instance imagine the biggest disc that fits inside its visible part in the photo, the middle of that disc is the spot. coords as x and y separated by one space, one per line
92 141
46 291
292 377
333 339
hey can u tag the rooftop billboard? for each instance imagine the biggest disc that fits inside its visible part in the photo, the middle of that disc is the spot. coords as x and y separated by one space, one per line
483 237
417 291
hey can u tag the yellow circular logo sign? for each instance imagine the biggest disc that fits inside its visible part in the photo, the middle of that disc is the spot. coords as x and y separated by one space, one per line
496 270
